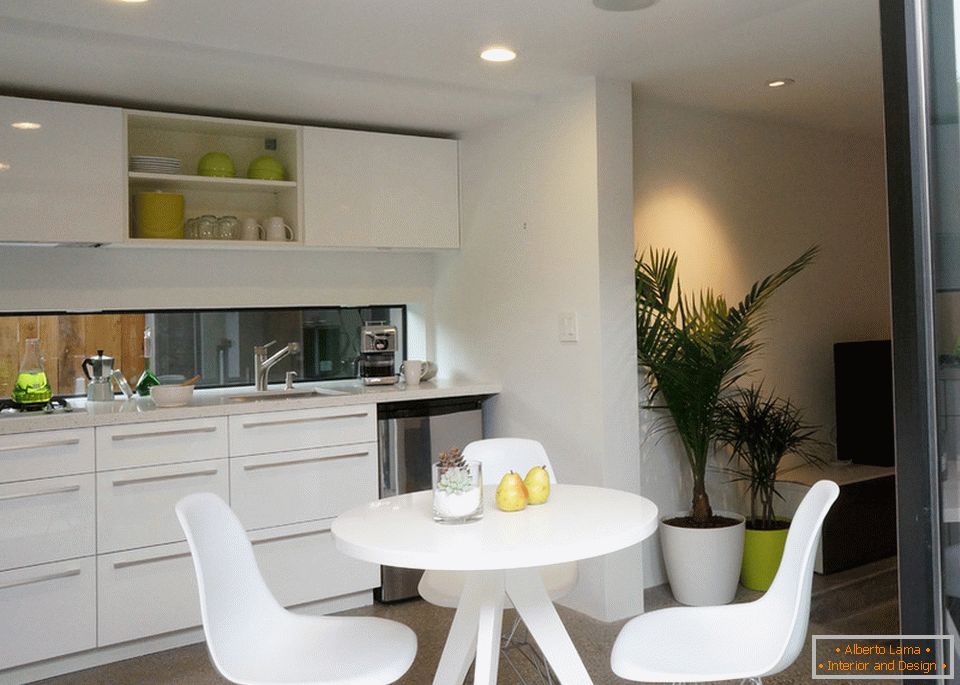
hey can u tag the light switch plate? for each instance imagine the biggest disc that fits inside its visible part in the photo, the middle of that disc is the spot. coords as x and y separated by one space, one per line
569 331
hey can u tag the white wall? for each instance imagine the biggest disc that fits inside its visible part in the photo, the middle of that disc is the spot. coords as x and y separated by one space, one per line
68 278
738 199
546 229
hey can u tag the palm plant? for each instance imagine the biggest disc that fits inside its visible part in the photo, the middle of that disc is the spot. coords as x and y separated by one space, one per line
761 430
694 350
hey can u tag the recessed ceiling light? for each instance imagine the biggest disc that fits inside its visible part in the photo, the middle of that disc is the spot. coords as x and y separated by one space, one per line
4 166
623 5
133 1
26 125
498 53
781 82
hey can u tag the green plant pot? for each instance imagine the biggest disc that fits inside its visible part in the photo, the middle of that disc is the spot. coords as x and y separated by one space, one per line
762 550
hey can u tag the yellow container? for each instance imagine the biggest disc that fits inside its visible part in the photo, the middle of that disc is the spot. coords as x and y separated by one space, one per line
762 551
158 215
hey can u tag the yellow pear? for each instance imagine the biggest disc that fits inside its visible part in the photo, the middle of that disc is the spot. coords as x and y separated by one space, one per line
538 485
511 493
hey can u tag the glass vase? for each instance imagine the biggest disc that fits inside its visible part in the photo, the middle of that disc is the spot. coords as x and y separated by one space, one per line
457 492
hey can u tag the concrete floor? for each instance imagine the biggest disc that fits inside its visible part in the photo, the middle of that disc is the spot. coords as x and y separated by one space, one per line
860 601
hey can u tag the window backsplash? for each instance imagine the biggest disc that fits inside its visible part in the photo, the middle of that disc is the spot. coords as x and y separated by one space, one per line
217 344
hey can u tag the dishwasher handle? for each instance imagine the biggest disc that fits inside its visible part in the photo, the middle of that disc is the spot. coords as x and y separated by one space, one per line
389 457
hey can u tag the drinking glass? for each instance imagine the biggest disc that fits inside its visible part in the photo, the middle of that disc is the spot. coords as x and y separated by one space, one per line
227 227
457 492
207 227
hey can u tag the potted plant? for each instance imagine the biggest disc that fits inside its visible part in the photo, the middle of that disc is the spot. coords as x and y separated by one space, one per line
762 429
693 350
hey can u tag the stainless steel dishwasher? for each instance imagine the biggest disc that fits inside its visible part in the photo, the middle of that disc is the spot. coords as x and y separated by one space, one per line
412 435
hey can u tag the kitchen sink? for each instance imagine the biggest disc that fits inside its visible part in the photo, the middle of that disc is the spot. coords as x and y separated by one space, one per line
261 395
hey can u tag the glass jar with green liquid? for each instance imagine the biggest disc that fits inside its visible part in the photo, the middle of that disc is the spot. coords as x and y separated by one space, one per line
32 386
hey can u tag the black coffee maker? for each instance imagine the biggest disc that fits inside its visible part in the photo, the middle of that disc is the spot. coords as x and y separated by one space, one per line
378 352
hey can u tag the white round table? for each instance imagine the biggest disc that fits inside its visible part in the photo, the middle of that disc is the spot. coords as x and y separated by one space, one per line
501 552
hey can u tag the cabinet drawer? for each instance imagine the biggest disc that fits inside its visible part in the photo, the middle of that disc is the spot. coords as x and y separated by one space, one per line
300 564
146 592
46 520
161 442
47 611
135 506
287 487
48 453
300 429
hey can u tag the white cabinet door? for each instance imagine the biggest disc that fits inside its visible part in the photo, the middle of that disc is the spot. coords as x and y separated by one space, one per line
47 610
66 180
46 520
146 592
278 431
365 189
46 453
287 487
161 442
300 563
135 506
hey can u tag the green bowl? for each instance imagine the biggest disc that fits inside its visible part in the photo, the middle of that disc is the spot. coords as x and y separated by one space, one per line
266 168
216 164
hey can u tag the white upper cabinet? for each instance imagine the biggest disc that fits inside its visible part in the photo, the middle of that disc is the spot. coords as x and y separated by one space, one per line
370 190
61 172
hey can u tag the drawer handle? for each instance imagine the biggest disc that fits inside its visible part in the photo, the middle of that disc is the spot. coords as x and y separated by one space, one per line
40 493
163 434
308 419
42 579
172 476
150 560
41 445
292 536
309 460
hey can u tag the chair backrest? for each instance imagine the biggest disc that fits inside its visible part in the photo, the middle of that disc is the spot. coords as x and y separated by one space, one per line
236 605
786 605
500 455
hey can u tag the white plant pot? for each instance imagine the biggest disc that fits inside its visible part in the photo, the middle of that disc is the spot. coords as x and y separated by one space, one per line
703 564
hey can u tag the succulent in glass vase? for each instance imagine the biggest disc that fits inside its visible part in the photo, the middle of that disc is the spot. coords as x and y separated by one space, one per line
457 488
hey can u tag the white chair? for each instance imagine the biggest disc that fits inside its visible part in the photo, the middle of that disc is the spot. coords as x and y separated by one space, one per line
443 588
255 641
735 641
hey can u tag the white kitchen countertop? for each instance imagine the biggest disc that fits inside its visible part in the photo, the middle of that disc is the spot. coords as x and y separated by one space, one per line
218 402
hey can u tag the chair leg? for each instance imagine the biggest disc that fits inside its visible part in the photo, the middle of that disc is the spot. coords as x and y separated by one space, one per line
518 639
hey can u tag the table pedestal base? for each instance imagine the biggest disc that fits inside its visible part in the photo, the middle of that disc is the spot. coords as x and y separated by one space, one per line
476 628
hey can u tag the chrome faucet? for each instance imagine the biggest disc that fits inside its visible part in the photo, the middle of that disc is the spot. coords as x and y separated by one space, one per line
262 363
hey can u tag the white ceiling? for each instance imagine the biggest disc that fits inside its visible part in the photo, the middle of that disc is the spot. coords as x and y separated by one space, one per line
413 64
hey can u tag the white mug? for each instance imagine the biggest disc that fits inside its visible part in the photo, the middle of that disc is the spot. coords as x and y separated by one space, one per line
251 230
412 370
277 229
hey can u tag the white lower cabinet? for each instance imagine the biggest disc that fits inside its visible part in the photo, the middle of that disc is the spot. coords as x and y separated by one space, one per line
301 564
47 610
46 520
146 592
281 431
92 553
46 453
287 487
161 442
135 506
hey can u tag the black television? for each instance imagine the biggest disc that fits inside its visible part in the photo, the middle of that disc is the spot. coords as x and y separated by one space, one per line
863 379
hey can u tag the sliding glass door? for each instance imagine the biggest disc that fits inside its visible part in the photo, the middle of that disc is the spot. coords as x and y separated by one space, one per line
923 169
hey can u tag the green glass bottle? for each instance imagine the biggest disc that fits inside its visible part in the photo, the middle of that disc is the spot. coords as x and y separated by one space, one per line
32 386
147 378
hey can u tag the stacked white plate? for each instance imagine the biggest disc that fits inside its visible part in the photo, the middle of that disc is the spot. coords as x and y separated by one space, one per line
154 165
